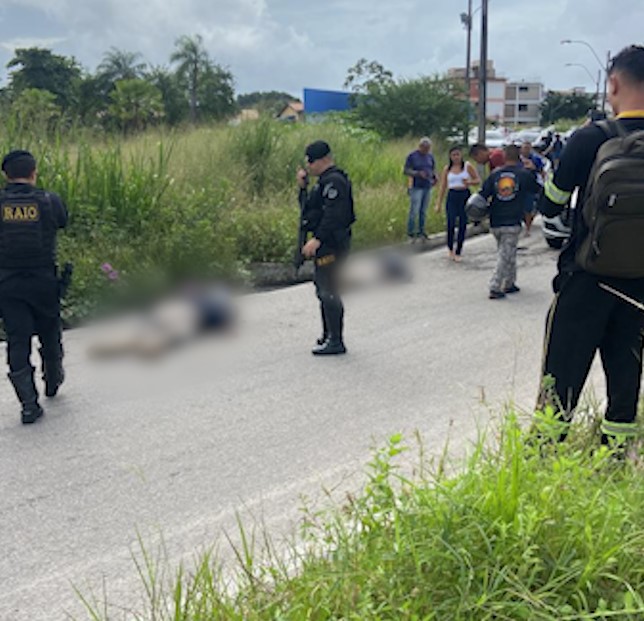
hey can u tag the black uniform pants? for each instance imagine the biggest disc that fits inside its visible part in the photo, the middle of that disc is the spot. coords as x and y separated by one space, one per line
327 289
29 305
584 319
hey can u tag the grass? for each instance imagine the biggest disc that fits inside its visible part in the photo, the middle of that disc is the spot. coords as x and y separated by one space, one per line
522 530
204 201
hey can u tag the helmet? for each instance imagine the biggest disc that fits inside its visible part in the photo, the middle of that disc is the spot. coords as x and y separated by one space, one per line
477 208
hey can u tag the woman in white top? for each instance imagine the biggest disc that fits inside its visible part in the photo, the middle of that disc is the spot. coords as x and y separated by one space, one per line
456 177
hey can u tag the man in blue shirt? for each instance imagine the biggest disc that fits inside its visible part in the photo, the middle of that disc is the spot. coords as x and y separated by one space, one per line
419 167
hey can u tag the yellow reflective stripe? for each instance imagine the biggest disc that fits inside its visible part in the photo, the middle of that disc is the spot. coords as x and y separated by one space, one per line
619 429
631 114
554 194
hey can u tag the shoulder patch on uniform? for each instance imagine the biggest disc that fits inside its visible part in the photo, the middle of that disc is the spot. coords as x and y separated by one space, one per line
329 191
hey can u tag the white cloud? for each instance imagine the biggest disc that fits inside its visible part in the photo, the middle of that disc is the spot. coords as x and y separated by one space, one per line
288 44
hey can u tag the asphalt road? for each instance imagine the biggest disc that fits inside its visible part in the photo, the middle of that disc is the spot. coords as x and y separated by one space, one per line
250 422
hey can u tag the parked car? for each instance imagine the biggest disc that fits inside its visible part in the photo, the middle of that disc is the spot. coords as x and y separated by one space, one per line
494 138
556 231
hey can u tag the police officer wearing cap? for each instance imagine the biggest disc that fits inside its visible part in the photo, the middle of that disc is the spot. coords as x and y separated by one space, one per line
328 215
29 293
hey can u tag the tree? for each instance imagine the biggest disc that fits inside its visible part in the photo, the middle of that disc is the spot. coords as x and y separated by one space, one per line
35 109
366 75
135 104
425 106
120 65
193 62
559 105
172 94
40 69
217 93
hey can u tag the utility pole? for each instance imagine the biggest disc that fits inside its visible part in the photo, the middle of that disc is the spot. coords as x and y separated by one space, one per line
483 74
605 81
466 18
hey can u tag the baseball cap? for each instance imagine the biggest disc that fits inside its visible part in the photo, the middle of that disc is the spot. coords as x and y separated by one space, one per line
497 159
317 150
12 156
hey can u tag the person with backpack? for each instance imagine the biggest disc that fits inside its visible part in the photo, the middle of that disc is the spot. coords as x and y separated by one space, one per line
600 276
29 286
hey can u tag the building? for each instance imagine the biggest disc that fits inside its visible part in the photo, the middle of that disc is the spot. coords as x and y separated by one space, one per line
516 103
495 90
318 101
292 111
523 102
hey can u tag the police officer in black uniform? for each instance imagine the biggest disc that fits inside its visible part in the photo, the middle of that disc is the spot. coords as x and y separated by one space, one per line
585 317
328 215
29 287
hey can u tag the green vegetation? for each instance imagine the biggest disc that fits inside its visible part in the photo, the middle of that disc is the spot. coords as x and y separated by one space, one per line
523 530
207 201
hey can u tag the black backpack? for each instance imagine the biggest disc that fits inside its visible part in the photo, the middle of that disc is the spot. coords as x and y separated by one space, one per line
613 207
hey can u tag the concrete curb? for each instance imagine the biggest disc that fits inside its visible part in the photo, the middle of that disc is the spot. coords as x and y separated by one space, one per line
269 275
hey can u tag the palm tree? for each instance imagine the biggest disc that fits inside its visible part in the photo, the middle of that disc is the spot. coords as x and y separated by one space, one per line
120 65
194 62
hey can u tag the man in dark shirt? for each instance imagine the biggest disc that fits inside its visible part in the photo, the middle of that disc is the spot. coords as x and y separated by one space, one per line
420 168
507 190
328 215
29 294
584 317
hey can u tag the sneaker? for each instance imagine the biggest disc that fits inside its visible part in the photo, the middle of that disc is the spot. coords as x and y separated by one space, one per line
512 289
422 236
496 295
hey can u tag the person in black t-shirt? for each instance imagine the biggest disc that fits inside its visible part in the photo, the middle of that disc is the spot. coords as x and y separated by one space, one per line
507 190
584 317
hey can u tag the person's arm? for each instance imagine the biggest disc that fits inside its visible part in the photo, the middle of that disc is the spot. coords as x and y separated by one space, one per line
59 209
408 169
488 187
442 190
475 178
573 169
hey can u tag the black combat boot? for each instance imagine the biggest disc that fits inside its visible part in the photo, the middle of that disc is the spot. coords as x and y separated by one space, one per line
333 345
53 374
325 330
23 383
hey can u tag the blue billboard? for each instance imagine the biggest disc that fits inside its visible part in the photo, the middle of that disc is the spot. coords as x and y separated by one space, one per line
317 101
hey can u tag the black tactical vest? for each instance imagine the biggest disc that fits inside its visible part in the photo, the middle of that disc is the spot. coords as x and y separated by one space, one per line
27 230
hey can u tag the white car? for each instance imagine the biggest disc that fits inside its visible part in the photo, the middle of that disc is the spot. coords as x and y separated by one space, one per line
494 138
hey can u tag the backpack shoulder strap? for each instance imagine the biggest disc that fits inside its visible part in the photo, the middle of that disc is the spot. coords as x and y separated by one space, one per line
611 128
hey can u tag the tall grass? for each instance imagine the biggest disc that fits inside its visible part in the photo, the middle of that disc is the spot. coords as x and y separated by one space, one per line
522 530
204 201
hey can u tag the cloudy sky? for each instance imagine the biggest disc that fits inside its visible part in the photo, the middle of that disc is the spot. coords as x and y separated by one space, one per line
289 44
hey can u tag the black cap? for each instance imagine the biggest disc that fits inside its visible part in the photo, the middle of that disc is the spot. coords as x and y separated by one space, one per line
12 156
317 150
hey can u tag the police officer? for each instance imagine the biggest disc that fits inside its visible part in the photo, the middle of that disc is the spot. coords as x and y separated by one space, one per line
328 214
29 294
585 317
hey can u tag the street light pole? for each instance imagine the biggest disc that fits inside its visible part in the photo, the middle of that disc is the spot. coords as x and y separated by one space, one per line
466 18
601 64
591 77
483 74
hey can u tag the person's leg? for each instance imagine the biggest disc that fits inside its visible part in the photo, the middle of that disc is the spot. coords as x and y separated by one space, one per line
621 356
49 332
451 221
511 242
461 218
415 198
331 306
497 277
424 202
19 326
572 337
